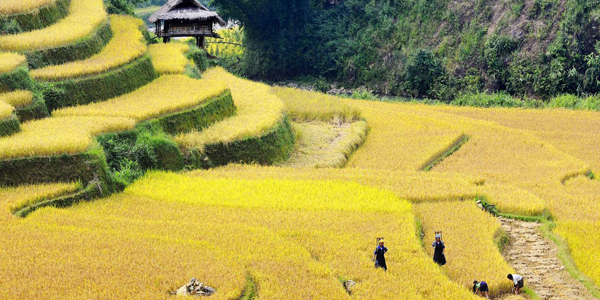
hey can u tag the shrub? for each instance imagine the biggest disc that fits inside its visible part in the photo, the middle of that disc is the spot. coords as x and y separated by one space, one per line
423 71
565 101
591 103
487 100
199 57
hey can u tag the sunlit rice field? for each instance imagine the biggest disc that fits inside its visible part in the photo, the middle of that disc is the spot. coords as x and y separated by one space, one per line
126 45
84 17
60 135
167 94
279 233
9 61
17 98
10 7
257 112
169 58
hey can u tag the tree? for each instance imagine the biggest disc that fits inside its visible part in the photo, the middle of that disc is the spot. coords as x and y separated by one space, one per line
122 7
591 81
423 72
275 34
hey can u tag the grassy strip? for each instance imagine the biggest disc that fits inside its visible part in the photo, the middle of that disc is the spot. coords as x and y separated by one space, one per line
37 18
92 191
564 254
9 126
538 219
84 167
531 294
501 240
17 79
428 166
79 50
36 110
104 86
271 147
200 117
584 172
251 289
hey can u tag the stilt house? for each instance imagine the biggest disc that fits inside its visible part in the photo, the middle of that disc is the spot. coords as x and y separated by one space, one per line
185 18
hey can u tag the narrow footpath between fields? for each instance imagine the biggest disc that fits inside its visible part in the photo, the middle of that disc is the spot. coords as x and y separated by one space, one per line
535 257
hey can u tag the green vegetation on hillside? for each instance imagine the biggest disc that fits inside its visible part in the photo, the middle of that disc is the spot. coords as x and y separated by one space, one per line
535 48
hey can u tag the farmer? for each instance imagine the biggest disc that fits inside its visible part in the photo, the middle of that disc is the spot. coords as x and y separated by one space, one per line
378 255
481 288
438 254
518 282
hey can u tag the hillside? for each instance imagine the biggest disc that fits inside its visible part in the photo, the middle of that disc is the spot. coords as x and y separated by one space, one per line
437 49
127 168
522 47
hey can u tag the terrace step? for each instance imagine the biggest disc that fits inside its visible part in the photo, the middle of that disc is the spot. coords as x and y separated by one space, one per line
535 258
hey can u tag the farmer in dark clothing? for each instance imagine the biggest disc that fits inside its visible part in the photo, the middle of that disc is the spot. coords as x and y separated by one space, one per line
481 289
438 254
378 255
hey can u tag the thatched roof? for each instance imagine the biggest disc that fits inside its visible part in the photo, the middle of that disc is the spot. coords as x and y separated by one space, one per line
185 10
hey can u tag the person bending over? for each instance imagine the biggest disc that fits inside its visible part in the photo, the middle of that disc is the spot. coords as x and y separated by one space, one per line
517 281
481 288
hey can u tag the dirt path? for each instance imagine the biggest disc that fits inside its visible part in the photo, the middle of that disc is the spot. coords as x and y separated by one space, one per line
535 257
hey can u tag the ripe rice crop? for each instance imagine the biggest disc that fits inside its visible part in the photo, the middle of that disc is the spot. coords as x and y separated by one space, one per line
468 234
11 7
309 106
509 199
12 199
414 186
84 17
281 233
126 45
9 61
577 200
60 135
229 49
576 134
583 239
6 110
17 98
169 58
531 159
400 139
164 95
257 112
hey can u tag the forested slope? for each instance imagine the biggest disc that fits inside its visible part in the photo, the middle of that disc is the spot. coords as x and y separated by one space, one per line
433 48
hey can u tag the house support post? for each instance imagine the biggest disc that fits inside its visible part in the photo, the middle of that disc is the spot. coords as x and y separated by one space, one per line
200 42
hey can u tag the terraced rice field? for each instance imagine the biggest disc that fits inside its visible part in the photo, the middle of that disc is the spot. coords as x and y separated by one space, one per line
84 17
323 176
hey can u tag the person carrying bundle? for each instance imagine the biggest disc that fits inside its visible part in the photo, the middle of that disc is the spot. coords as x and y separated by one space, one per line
379 254
481 288
518 282
438 253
